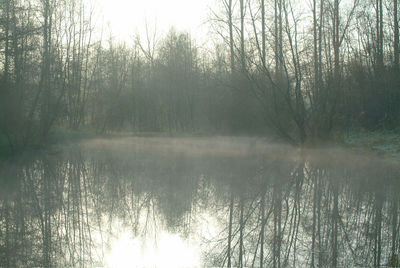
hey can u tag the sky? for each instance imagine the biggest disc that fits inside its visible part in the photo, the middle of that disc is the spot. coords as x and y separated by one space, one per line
126 18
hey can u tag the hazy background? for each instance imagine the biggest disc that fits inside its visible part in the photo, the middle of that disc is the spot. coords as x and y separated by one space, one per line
128 18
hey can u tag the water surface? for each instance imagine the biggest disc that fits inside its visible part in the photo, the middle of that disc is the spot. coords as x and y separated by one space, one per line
198 202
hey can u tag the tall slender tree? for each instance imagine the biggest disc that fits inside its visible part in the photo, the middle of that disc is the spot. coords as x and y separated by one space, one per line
396 35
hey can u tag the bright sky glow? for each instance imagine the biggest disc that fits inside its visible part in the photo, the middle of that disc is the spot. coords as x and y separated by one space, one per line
171 251
128 17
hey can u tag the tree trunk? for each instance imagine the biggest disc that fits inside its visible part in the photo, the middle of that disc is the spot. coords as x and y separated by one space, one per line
396 36
379 36
241 228
395 209
6 41
277 199
335 219
229 253
314 221
262 208
45 72
231 42
316 62
276 33
242 50
378 231
263 33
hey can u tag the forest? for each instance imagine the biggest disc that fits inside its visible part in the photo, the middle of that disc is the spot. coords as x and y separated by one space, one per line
229 148
301 71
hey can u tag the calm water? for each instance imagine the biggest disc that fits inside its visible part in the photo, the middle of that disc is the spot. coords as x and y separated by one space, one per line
217 202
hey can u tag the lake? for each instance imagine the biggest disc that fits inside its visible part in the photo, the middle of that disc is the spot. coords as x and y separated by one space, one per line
198 202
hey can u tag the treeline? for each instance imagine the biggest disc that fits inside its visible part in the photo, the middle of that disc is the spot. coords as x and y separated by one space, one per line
299 70
165 85
316 66
58 70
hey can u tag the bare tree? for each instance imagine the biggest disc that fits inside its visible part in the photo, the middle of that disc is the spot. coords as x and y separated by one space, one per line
396 35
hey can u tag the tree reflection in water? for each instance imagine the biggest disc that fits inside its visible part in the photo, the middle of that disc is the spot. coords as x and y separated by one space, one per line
196 203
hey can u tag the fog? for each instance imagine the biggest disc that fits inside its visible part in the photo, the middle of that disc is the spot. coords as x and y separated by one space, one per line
213 133
152 202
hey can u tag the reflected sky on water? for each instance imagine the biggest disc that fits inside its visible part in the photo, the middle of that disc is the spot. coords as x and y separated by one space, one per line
198 202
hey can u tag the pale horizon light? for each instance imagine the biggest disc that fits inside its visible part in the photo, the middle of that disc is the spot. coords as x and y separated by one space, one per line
126 18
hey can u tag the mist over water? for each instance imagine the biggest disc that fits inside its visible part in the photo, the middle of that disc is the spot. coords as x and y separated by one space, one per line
197 202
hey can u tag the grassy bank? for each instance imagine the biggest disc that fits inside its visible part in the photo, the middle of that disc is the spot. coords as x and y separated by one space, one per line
385 142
